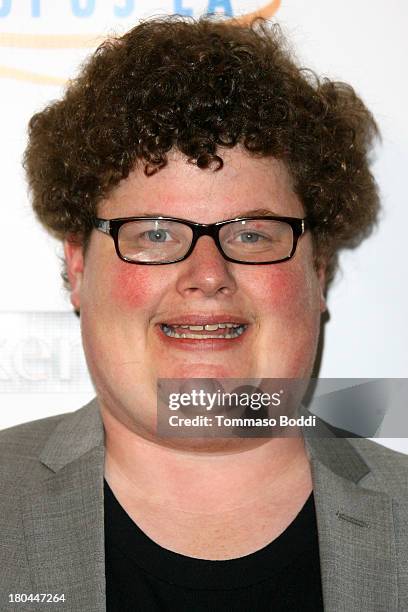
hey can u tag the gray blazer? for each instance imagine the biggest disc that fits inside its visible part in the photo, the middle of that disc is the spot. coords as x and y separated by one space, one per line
52 531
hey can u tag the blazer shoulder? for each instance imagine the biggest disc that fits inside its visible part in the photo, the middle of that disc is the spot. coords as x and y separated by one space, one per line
28 437
389 467
20 450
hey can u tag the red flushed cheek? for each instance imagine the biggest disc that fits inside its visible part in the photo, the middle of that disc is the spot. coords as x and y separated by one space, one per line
134 285
287 290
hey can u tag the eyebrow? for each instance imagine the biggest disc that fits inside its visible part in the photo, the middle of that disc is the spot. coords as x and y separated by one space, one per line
258 212
255 212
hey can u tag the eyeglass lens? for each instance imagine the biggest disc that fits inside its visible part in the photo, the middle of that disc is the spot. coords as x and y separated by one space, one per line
250 240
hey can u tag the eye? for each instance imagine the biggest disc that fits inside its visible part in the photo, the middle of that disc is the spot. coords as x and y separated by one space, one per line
157 235
250 237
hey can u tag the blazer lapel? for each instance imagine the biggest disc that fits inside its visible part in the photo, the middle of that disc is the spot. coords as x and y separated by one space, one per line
355 530
63 516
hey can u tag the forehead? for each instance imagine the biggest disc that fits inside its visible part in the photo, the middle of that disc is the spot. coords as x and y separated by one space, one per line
244 184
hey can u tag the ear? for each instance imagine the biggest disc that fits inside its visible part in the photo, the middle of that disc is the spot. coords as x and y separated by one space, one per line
321 275
74 259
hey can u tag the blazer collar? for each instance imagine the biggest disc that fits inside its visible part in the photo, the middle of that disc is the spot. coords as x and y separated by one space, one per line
356 533
64 523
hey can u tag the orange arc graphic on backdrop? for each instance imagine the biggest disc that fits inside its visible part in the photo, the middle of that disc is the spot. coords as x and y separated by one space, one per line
82 41
265 12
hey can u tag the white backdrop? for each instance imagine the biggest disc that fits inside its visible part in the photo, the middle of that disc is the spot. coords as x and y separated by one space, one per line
42 42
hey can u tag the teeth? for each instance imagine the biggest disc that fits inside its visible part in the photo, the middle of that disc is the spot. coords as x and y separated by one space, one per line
211 327
236 328
208 327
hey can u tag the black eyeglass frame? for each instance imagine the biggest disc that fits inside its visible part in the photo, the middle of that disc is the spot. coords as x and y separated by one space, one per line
111 227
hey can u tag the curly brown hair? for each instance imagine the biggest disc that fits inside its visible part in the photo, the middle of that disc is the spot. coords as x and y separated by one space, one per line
198 86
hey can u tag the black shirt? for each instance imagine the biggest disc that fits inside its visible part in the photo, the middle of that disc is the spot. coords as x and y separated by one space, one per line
141 575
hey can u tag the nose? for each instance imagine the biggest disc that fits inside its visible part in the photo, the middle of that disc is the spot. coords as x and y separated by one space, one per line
206 272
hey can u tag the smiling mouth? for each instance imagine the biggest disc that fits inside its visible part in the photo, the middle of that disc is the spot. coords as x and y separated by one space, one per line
215 331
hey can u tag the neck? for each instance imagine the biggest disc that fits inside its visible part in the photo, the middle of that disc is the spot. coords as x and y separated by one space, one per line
204 482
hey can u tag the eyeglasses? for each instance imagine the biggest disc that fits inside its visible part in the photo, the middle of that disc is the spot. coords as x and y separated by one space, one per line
165 240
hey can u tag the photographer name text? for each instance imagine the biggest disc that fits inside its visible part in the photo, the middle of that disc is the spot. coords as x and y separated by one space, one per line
224 421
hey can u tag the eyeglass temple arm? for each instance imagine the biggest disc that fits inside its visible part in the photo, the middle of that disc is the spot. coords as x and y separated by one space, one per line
307 224
103 225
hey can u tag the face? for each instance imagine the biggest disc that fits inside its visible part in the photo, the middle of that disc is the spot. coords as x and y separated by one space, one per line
124 306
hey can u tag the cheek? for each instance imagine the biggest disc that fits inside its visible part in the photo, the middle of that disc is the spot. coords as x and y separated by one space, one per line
288 291
135 285
290 319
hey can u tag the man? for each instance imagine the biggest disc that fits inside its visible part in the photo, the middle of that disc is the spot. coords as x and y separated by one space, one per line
202 185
